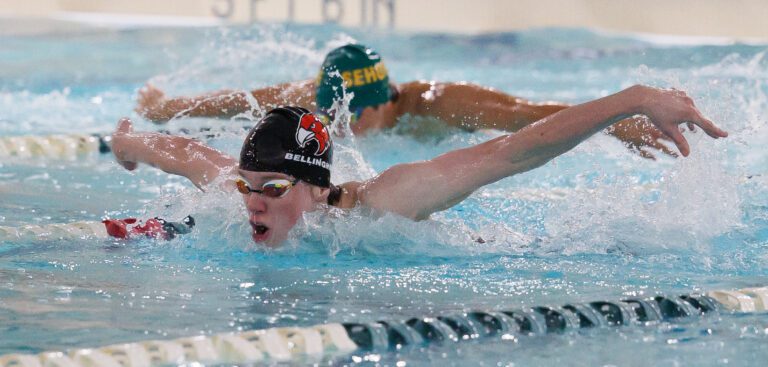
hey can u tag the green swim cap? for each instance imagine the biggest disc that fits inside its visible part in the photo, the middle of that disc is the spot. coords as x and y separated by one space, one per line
363 73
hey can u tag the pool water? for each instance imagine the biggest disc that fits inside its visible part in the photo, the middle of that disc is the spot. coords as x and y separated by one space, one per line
596 223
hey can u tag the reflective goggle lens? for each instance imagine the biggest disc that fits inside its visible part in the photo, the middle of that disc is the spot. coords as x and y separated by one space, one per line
272 188
327 118
324 118
242 186
276 188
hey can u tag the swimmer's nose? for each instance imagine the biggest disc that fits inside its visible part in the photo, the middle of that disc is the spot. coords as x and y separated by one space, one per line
255 203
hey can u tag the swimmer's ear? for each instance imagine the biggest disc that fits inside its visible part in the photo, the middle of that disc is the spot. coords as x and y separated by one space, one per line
319 194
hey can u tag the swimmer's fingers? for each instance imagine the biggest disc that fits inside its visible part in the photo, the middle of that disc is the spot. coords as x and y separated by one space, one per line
119 144
130 166
668 109
704 123
656 134
646 154
640 136
677 137
648 138
663 148
676 134
709 127
666 150
150 98
124 126
149 92
654 139
646 150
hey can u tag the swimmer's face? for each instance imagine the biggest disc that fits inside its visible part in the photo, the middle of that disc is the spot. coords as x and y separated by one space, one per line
272 218
382 116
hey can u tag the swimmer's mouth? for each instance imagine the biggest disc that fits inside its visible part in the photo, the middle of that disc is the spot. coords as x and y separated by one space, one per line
259 228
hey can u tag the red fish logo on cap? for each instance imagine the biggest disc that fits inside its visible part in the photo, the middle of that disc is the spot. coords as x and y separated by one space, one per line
310 128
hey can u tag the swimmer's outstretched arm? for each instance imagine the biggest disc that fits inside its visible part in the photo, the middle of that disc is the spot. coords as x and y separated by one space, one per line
154 106
173 154
416 190
471 106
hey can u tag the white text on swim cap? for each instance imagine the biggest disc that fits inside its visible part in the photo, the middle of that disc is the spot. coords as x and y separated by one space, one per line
307 160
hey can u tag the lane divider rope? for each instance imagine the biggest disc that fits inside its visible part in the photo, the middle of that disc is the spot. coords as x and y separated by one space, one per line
109 228
319 342
68 146
72 146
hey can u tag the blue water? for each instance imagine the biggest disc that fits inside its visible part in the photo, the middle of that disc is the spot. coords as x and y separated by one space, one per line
624 225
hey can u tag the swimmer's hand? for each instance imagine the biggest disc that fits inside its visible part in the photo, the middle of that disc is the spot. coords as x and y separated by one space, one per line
151 104
640 136
121 144
176 155
669 108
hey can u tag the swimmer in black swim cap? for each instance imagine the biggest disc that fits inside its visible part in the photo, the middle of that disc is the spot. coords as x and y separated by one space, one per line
378 103
285 161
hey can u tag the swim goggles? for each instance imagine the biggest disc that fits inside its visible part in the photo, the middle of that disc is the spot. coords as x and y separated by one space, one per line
272 188
327 117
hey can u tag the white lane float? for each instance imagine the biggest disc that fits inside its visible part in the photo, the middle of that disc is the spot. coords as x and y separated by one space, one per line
65 146
315 343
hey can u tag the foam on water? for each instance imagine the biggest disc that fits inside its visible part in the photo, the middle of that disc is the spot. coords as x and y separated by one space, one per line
237 58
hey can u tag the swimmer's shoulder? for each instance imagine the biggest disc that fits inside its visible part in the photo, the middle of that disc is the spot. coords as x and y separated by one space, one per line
349 195
415 97
411 92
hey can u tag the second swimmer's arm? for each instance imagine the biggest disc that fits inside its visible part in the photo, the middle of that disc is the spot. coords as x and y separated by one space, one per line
153 105
471 106
173 154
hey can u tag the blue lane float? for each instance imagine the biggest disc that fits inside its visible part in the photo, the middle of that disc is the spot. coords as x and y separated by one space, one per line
315 343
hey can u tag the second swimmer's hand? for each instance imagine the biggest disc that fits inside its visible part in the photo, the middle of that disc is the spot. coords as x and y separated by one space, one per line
640 136
667 109
150 104
121 144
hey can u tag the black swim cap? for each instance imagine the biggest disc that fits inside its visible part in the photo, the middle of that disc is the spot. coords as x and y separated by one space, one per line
290 140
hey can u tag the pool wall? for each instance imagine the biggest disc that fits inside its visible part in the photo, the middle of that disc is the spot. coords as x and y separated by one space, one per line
735 19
